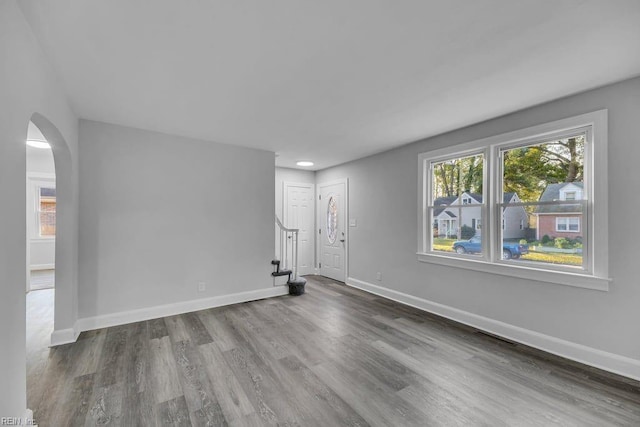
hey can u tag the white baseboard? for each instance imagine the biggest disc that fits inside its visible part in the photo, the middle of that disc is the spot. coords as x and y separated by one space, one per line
611 362
28 418
124 317
65 336
35 267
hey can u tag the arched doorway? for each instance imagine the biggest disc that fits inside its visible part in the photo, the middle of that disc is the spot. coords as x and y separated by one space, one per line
41 233
41 211
50 222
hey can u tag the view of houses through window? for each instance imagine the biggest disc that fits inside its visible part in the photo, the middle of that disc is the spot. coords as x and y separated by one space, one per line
457 207
542 203
548 180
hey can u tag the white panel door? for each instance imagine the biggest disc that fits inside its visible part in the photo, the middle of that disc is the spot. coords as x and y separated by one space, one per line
332 214
298 213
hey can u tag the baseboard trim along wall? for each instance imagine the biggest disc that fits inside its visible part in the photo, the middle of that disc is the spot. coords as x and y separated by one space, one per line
611 362
66 336
34 267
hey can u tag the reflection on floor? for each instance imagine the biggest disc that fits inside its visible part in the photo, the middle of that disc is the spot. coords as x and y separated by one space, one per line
39 329
42 279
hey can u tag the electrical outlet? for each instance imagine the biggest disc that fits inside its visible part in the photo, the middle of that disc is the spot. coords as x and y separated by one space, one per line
378 276
202 286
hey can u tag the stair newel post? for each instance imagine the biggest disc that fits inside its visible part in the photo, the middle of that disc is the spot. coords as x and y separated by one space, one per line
281 244
286 252
295 261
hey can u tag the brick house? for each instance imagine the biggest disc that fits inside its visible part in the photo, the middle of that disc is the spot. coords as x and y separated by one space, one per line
560 220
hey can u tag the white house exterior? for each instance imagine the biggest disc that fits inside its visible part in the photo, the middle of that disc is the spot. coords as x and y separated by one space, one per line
515 219
447 220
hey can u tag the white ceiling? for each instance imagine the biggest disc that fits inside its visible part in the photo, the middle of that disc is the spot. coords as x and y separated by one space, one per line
38 159
328 80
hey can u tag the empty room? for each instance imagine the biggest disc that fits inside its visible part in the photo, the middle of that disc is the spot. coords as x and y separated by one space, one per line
319 213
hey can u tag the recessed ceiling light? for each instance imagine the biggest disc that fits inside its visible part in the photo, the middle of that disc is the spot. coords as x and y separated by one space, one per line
36 143
304 163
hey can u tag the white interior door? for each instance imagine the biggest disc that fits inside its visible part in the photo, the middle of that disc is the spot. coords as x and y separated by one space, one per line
298 213
332 214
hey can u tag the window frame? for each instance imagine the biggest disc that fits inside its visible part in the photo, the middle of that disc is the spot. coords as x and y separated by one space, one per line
594 273
39 211
567 223
36 181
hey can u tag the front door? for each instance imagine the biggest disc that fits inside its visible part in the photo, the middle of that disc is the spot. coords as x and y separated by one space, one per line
332 214
298 213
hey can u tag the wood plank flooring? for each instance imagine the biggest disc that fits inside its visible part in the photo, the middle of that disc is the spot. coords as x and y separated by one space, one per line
42 279
39 328
331 357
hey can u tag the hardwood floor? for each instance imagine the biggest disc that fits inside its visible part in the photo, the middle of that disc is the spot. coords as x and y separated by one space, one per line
42 279
333 356
39 329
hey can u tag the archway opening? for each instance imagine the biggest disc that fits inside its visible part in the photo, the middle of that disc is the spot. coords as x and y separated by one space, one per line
41 251
41 211
51 217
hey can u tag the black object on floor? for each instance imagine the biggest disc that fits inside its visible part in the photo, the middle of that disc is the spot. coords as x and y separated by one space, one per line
296 286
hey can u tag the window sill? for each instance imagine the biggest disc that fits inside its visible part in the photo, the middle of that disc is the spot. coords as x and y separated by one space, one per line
550 276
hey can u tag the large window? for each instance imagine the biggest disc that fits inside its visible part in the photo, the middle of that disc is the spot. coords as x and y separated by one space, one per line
534 191
457 201
46 211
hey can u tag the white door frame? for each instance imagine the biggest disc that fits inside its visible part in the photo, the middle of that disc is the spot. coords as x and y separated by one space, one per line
344 181
285 205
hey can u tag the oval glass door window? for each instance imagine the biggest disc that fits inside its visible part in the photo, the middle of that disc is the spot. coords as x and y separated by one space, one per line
332 220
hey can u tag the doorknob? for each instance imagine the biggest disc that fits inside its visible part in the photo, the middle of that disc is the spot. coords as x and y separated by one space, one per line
342 240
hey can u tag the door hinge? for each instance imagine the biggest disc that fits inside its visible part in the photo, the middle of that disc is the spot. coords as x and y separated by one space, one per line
320 231
319 197
319 265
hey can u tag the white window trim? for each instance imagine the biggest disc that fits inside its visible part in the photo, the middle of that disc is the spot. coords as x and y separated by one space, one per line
575 190
566 223
595 192
37 181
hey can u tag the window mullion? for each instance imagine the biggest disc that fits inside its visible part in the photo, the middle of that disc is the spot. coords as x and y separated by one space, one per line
492 183
427 220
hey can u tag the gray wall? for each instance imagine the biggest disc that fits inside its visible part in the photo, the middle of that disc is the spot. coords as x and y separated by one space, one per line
160 213
383 198
28 85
